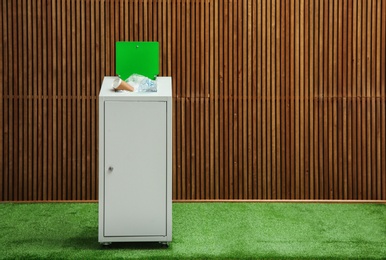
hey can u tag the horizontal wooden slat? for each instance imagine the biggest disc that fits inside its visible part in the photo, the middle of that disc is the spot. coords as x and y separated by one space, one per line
272 100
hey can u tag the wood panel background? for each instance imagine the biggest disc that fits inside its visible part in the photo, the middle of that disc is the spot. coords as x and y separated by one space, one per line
280 99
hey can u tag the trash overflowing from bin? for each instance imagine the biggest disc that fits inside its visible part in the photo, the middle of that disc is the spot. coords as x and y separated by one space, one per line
135 83
120 85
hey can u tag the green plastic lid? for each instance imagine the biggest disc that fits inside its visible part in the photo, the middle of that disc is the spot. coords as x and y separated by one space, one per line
137 57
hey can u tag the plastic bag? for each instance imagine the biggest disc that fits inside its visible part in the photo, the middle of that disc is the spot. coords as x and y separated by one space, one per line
141 83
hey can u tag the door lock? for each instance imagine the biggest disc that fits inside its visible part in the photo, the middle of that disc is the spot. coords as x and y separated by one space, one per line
111 169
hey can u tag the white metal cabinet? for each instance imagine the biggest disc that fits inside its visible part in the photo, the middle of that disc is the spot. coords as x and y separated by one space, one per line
135 164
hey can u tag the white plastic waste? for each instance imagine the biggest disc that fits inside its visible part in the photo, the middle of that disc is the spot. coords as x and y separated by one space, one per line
141 83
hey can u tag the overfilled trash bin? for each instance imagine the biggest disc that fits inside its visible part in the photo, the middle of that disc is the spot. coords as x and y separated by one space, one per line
135 155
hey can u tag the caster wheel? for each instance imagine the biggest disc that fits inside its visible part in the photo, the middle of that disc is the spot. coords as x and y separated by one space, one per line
164 244
106 243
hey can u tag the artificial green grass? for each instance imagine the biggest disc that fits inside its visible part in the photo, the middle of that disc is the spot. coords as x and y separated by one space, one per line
202 231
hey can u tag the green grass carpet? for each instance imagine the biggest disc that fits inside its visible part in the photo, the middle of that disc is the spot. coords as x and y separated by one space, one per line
202 231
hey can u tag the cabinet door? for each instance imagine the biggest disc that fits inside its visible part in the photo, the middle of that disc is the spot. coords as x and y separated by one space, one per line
135 168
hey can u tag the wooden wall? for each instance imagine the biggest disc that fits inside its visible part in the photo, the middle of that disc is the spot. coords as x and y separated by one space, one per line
281 99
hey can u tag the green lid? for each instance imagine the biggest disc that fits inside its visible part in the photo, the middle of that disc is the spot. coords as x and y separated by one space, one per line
137 57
